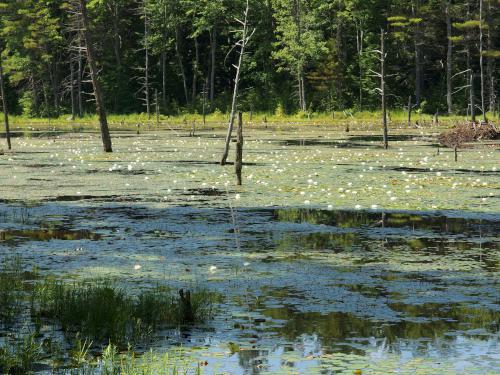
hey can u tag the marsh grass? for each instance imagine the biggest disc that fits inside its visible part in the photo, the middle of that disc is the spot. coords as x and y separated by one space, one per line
113 362
101 311
21 356
11 288
130 122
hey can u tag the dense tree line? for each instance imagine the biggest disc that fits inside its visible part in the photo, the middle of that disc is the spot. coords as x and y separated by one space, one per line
309 55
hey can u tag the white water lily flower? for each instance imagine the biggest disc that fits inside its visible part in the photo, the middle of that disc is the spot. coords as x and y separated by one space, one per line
137 267
212 269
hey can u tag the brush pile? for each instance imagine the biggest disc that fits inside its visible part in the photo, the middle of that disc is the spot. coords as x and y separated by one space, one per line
465 133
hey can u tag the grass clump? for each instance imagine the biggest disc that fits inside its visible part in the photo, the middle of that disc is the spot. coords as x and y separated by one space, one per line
101 311
11 286
20 357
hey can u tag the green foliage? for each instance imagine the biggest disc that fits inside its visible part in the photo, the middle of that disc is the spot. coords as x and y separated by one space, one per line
329 43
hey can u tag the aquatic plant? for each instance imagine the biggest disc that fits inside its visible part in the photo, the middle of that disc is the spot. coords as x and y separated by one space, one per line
102 311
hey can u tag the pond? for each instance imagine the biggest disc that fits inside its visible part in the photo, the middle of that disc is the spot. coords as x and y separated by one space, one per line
313 277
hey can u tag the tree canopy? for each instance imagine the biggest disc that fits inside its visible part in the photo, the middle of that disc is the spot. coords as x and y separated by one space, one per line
307 55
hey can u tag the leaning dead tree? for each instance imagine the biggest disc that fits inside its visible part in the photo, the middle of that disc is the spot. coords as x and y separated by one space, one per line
242 43
381 90
81 14
144 78
4 103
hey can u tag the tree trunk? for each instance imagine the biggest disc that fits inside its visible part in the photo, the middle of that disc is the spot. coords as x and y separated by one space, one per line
382 87
181 64
4 104
54 83
213 48
238 163
472 97
409 111
195 70
205 88
164 80
79 78
449 62
146 62
243 44
99 99
483 107
418 63
72 87
359 45
490 65
116 33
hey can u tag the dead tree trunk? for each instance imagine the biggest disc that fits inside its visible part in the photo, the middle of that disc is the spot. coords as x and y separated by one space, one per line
238 164
449 62
157 109
99 99
72 87
472 98
490 64
4 104
205 88
382 87
242 44
146 62
418 63
483 107
79 77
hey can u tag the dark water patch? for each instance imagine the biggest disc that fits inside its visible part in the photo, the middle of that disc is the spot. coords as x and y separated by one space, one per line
47 235
34 134
427 170
316 142
391 138
96 198
437 223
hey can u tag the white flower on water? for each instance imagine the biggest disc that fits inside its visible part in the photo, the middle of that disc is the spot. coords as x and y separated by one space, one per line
237 196
212 269
246 264
137 267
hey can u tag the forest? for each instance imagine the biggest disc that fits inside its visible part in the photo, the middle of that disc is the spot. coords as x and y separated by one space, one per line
303 55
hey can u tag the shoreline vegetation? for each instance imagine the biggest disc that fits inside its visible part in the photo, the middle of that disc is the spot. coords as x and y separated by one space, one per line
362 120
